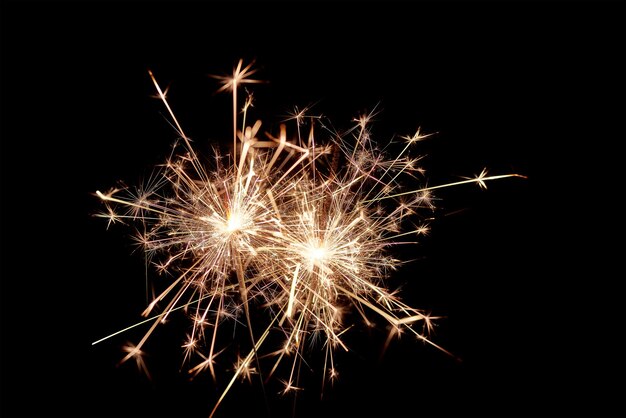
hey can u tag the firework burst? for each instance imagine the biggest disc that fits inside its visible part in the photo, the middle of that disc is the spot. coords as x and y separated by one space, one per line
298 229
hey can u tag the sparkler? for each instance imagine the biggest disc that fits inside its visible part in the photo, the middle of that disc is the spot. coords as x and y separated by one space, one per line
297 229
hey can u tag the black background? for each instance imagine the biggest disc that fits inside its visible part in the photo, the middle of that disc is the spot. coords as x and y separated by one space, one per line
529 274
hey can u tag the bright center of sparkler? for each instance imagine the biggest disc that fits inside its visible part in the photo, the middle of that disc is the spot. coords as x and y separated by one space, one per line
316 253
234 222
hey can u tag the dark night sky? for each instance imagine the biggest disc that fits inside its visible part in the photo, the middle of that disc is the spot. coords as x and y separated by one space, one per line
529 274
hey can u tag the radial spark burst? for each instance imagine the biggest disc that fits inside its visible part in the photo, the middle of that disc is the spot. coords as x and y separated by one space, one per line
296 229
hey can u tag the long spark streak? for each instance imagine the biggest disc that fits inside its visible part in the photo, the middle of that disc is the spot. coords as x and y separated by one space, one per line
477 180
289 228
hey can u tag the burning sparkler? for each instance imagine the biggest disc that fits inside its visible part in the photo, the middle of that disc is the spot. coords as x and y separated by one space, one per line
299 229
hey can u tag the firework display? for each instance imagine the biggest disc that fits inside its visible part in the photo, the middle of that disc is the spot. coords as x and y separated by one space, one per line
284 235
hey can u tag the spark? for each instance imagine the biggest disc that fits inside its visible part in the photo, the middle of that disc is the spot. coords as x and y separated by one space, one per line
134 352
297 228
240 76
418 136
